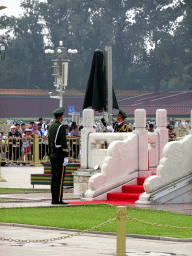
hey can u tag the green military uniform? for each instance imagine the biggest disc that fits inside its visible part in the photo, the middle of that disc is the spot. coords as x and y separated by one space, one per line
118 127
58 150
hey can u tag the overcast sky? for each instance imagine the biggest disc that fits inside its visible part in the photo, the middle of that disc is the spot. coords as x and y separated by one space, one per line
12 7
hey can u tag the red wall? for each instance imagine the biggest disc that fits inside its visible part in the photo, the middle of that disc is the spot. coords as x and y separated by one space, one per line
35 107
15 106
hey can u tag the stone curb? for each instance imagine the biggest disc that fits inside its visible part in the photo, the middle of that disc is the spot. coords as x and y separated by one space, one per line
99 233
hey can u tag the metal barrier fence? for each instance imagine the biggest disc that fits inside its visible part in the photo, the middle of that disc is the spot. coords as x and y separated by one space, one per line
32 151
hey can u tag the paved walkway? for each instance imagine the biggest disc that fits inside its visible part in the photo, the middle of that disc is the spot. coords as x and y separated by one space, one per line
84 245
91 244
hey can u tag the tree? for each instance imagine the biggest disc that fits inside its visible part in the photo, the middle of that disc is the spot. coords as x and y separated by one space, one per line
26 61
90 25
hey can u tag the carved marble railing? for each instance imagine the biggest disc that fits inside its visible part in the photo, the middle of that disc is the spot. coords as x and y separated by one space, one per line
98 144
173 167
120 156
119 166
127 154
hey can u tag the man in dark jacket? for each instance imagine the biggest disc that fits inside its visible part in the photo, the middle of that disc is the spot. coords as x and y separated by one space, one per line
58 151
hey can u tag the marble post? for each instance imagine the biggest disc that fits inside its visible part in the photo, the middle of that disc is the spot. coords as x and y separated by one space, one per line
140 130
82 175
161 123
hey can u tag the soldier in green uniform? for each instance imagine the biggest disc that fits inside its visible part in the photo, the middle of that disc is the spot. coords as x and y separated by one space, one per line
58 150
118 125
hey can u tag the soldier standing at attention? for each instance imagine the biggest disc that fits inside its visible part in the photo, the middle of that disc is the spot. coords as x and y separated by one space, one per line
118 125
58 153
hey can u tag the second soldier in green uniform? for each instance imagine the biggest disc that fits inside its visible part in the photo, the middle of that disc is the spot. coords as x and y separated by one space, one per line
118 125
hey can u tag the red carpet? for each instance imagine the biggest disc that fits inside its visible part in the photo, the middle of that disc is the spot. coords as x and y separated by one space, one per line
130 194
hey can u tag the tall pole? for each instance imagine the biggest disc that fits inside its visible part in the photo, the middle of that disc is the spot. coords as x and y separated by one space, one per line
108 70
61 100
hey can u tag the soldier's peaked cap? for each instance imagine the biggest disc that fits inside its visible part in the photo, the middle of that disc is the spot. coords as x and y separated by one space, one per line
122 113
59 111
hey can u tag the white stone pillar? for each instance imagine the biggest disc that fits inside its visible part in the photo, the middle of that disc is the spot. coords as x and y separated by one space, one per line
88 122
161 123
140 129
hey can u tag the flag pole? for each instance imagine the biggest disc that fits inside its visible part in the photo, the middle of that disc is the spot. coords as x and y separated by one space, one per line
108 71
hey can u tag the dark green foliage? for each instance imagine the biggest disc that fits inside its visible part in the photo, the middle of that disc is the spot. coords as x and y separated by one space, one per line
90 25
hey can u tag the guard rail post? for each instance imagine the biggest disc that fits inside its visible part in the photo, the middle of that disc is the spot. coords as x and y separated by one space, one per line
36 161
121 230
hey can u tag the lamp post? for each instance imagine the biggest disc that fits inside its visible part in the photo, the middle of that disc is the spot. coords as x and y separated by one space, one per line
2 40
60 66
2 46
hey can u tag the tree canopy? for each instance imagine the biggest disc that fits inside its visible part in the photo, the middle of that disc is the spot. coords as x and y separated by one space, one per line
151 43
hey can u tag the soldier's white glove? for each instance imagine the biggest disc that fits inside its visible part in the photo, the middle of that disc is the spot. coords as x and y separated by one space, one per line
110 128
65 162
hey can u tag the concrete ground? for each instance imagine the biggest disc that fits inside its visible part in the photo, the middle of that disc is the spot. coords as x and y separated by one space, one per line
87 244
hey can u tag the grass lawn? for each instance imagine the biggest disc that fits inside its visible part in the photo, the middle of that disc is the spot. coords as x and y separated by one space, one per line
22 191
85 217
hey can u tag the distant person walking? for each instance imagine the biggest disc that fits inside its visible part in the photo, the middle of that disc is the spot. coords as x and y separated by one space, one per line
58 153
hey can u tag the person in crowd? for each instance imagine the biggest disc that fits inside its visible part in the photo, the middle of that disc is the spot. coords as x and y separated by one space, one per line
23 128
26 148
35 130
151 127
20 122
71 128
75 144
31 125
12 143
1 142
171 133
45 143
119 125
17 127
58 153
43 125
39 128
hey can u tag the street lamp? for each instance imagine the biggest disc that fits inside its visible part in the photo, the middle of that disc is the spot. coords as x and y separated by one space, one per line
61 61
2 46
2 40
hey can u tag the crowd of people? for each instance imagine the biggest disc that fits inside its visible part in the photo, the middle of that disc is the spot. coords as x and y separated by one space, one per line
21 136
19 140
